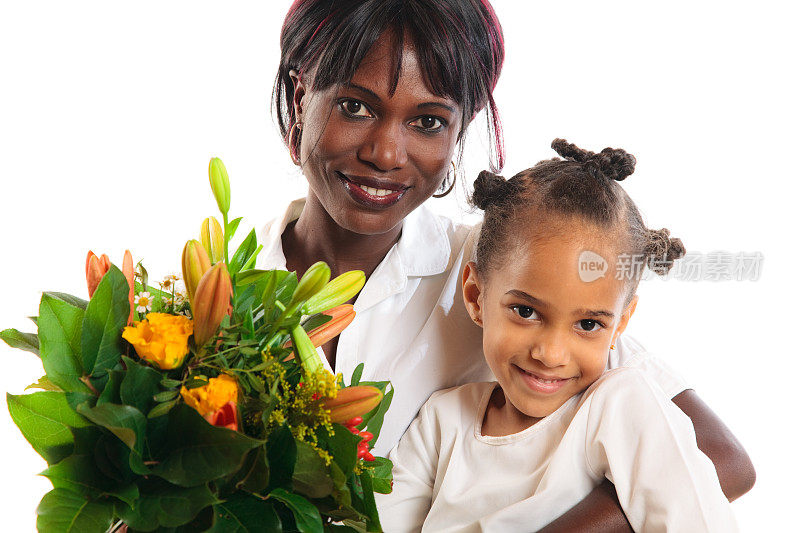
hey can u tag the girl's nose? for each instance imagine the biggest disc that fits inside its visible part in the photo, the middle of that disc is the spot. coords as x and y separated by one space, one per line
385 147
550 350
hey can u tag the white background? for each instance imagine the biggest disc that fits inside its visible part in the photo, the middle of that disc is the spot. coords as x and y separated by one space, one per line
109 113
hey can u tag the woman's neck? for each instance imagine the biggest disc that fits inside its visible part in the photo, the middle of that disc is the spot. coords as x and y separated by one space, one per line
315 236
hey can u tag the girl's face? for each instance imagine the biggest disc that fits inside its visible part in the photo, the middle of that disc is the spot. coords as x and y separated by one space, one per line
372 157
546 333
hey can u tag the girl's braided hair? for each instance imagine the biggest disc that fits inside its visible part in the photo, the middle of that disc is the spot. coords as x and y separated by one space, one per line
583 184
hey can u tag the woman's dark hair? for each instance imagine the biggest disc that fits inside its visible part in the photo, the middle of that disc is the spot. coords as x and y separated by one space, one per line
459 44
583 184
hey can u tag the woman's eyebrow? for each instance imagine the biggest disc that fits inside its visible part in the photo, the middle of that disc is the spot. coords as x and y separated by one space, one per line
437 104
364 90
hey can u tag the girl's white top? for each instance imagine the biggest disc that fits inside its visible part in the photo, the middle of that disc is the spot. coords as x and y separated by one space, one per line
411 326
448 477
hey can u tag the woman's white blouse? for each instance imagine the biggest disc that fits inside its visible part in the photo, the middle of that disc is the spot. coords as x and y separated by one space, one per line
411 326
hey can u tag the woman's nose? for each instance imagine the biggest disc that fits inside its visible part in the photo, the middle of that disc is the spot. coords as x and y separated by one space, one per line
385 147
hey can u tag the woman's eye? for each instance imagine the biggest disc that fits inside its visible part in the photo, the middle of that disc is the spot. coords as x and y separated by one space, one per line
354 108
428 123
525 311
588 325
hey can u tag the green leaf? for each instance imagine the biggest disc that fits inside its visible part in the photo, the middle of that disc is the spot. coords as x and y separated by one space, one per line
242 513
248 277
22 341
162 408
382 475
233 225
44 418
66 511
79 473
165 505
373 421
310 476
254 475
243 252
124 421
281 456
357 374
141 383
45 384
110 393
305 513
198 452
106 315
342 445
74 301
60 342
373 522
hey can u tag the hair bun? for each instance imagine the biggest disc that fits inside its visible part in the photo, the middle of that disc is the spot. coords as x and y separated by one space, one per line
488 187
663 251
613 163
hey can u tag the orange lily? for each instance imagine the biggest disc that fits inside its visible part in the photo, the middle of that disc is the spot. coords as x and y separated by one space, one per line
211 302
352 402
96 268
341 316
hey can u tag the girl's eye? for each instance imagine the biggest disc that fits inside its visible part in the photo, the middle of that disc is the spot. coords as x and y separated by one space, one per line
354 108
525 311
428 123
589 325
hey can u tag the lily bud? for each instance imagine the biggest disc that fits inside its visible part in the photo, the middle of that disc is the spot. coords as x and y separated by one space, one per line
211 302
315 278
127 270
213 239
336 292
352 402
341 316
195 264
305 350
220 184
96 268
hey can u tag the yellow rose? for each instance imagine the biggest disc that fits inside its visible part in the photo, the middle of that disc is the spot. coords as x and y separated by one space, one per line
161 339
210 398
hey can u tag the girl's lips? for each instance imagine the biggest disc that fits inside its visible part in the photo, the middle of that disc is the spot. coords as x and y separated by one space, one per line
538 384
386 198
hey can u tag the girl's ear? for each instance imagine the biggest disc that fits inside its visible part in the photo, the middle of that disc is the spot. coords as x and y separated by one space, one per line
299 93
626 316
471 289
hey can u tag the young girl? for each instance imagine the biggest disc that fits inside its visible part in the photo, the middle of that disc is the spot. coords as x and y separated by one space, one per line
515 454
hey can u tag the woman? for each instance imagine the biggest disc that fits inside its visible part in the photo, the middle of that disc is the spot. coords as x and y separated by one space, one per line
373 98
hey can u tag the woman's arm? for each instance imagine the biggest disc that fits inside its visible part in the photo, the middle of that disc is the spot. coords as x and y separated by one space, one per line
600 511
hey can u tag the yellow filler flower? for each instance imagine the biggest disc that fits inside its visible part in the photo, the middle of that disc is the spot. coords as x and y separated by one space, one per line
161 339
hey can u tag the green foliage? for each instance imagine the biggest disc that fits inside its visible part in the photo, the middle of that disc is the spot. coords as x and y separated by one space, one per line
122 443
45 419
69 512
23 341
198 452
106 315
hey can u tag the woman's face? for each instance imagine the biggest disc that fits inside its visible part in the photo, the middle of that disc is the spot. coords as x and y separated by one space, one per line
372 157
547 327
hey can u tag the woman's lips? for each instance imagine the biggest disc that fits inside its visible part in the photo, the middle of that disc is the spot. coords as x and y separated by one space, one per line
372 193
545 385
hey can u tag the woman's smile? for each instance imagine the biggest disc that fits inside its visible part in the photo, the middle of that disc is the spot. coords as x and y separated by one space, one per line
372 192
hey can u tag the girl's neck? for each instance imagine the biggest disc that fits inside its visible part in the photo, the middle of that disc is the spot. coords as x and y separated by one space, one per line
315 236
502 418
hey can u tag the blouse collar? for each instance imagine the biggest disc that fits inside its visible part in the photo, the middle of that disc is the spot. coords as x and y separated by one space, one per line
422 250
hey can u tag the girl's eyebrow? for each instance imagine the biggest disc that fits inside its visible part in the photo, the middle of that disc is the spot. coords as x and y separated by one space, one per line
578 312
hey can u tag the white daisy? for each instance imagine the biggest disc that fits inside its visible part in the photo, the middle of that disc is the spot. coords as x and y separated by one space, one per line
143 302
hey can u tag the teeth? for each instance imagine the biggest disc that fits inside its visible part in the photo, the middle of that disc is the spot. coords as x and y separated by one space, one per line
375 192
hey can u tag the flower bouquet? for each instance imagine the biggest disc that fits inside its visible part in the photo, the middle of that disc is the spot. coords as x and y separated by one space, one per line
208 410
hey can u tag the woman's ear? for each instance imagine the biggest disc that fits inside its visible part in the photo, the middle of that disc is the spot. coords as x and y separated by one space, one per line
471 289
626 316
299 93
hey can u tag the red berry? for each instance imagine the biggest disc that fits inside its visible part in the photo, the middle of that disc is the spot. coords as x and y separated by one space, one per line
353 430
369 457
354 421
366 435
